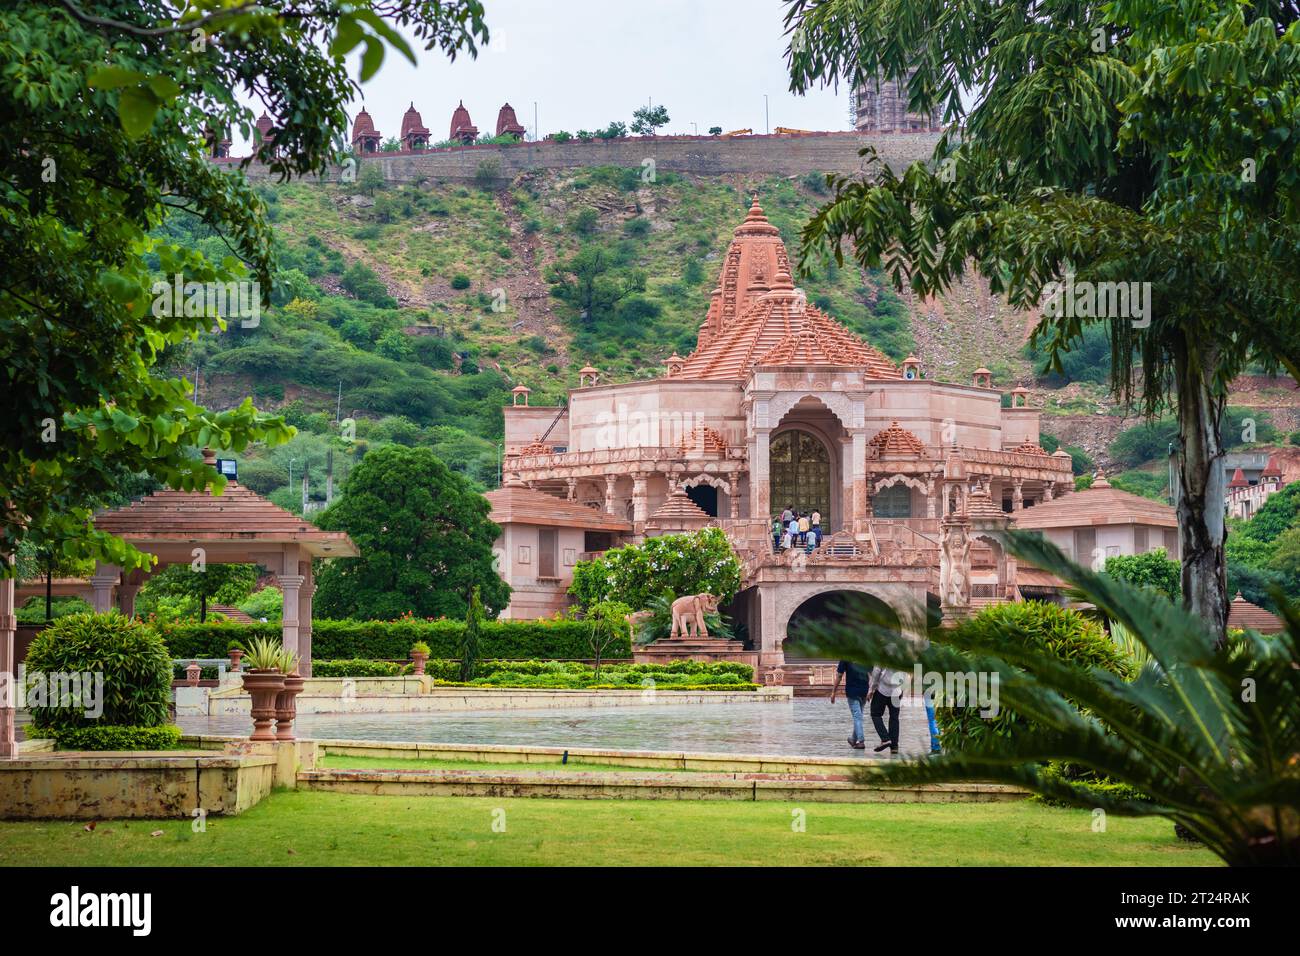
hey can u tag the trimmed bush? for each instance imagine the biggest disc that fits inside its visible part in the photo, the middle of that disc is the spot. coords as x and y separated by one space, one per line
132 657
109 737
356 668
392 640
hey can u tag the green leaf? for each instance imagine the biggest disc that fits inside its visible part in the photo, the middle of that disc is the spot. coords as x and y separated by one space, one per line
136 109
115 77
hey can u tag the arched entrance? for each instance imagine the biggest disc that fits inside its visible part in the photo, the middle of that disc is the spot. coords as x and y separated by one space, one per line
800 469
847 607
706 497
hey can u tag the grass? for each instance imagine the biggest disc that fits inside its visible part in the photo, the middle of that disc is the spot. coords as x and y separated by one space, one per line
298 828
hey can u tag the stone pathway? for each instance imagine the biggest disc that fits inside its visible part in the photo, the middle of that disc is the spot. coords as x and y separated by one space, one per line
807 726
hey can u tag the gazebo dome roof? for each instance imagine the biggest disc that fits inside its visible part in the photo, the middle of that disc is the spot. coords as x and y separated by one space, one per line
363 124
461 123
508 123
236 516
896 440
412 123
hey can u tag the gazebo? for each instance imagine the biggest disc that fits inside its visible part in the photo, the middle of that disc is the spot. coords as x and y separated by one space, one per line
238 526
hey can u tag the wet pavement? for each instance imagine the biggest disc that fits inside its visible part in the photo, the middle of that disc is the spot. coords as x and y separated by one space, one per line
803 727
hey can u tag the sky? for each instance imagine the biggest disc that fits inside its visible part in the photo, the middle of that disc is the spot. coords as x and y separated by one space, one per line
587 62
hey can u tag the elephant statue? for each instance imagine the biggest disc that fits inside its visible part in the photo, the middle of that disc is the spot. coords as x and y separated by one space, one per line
688 615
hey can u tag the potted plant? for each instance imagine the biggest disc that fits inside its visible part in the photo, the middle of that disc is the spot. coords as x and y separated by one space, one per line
236 652
419 654
286 705
264 680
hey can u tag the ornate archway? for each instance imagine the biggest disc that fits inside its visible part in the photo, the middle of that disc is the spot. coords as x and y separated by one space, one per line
835 605
800 468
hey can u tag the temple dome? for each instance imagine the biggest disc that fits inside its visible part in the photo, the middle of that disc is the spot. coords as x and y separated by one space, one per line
757 316
507 123
461 125
896 441
412 123
363 124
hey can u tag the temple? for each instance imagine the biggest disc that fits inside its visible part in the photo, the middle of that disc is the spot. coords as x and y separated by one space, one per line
508 124
365 138
780 405
462 128
414 133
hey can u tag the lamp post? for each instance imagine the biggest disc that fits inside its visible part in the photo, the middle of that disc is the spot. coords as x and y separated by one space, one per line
291 461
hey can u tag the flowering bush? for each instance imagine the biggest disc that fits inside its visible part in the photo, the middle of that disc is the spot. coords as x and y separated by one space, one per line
693 563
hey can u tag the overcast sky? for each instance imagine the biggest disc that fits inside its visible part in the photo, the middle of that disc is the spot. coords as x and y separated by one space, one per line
587 62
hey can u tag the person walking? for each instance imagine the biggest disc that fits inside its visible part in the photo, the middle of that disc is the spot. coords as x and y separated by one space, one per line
793 530
787 514
804 525
857 687
777 529
817 528
885 689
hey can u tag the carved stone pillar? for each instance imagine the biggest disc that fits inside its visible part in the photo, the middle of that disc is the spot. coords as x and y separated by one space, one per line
1048 490
8 668
733 497
1018 494
105 578
610 481
573 488
857 466
304 616
290 583
640 501
931 506
126 599
954 566
760 494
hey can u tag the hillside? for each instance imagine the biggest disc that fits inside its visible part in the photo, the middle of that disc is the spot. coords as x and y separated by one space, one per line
415 308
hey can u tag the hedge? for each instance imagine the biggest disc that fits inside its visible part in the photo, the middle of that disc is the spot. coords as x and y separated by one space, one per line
392 640
111 737
679 675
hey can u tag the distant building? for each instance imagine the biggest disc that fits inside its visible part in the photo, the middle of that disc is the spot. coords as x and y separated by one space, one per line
462 127
365 138
508 124
1245 497
881 107
414 134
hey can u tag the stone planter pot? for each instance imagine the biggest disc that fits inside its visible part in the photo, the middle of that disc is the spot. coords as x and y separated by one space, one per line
419 657
263 687
235 657
286 706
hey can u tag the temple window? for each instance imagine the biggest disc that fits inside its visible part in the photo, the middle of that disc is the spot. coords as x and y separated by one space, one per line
892 502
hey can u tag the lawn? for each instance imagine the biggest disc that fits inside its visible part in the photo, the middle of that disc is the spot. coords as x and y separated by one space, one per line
298 828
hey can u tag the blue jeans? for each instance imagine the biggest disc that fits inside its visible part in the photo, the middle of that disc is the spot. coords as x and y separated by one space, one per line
935 746
855 708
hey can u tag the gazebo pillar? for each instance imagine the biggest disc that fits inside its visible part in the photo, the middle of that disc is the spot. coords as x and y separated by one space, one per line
290 583
105 578
304 616
610 481
8 667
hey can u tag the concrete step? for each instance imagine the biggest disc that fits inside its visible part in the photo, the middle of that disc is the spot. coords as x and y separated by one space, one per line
643 785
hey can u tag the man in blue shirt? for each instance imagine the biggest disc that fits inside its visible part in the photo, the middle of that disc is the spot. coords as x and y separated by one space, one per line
857 685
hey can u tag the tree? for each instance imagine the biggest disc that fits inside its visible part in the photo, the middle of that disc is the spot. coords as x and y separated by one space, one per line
676 564
589 282
1126 141
424 536
608 625
647 119
106 115
219 583
1152 570
469 638
371 179
715 130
